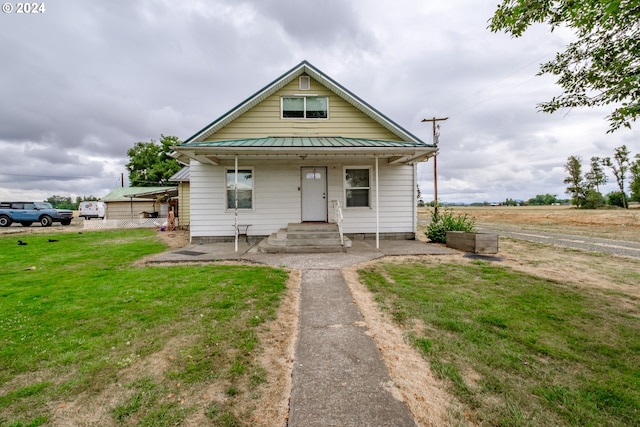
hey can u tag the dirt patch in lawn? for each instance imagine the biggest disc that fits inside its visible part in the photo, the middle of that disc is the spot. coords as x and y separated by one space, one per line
175 239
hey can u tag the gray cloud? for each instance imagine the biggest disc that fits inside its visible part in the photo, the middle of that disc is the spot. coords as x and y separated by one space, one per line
86 80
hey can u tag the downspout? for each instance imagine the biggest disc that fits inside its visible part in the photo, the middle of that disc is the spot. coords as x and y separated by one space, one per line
235 210
377 208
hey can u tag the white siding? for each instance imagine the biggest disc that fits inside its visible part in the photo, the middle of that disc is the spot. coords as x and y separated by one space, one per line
277 198
396 202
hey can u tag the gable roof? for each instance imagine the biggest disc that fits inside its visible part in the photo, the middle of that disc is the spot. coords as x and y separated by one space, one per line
304 68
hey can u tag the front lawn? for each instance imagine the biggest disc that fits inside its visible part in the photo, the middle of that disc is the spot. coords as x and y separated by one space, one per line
78 318
516 349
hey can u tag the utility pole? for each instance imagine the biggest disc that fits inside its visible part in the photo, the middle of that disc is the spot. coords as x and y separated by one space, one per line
435 161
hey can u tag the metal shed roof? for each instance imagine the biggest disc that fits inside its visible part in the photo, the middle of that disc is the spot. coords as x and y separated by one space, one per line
127 193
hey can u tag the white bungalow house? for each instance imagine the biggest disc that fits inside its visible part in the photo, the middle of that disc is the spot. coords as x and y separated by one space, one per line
303 150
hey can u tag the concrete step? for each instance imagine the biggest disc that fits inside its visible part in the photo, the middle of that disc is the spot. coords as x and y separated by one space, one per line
314 242
266 247
311 227
312 235
305 238
276 240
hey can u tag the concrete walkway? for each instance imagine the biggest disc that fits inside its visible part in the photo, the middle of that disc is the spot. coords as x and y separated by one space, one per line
339 377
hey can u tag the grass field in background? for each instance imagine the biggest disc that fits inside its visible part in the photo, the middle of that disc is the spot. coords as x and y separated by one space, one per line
516 349
76 313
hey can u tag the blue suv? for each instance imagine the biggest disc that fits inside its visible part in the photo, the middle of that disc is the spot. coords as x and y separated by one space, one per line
26 213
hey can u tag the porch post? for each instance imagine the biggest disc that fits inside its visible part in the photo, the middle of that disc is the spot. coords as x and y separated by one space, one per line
377 208
235 210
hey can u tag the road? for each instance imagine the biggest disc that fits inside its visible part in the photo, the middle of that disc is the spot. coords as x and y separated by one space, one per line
596 244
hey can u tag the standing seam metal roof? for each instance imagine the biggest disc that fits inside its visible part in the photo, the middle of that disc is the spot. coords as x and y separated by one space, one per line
308 142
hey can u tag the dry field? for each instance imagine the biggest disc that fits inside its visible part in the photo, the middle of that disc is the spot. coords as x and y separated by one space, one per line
621 224
589 270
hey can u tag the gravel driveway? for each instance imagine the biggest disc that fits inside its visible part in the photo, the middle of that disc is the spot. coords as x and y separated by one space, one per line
596 244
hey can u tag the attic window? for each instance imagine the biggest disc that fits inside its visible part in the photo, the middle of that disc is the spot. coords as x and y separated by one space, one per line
305 107
305 83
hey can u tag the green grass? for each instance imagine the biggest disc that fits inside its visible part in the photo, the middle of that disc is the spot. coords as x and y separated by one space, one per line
519 350
86 314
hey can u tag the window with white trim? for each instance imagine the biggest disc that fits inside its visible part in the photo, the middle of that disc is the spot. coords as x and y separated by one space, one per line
305 107
245 188
357 187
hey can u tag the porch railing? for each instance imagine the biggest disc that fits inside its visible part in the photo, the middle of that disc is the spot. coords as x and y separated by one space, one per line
338 218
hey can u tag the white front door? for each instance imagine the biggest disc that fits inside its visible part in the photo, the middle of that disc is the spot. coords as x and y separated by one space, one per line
314 194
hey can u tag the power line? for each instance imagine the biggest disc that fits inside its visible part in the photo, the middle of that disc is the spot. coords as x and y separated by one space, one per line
494 83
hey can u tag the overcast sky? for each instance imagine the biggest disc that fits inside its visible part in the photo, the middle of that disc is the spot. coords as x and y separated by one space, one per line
85 80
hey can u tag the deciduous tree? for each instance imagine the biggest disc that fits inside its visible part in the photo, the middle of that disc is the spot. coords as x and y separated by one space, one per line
634 168
619 166
576 187
61 202
150 164
596 175
543 200
601 67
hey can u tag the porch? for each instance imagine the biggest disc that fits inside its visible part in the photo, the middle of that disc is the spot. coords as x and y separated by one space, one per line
360 251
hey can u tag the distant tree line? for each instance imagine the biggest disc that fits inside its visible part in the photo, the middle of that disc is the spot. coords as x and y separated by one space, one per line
585 188
61 202
538 200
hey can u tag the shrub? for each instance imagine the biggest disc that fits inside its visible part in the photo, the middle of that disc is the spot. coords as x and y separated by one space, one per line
616 198
593 200
441 222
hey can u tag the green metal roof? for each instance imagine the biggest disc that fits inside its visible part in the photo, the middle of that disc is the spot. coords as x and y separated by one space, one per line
273 148
306 142
127 193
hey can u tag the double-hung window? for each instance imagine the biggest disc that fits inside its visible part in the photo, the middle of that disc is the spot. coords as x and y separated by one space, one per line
305 107
357 187
245 188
